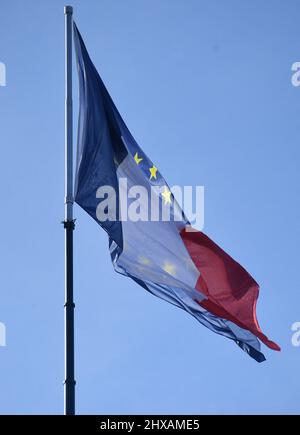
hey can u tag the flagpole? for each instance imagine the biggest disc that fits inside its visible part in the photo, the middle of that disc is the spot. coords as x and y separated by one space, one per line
69 384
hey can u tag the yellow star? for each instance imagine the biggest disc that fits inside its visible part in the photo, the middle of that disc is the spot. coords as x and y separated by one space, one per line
144 260
137 158
153 171
167 195
169 268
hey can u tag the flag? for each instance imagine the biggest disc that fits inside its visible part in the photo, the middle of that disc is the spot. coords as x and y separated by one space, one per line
166 258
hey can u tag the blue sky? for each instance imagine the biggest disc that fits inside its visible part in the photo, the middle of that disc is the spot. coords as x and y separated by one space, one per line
205 88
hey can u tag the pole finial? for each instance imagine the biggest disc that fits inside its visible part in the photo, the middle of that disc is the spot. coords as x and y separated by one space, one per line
68 10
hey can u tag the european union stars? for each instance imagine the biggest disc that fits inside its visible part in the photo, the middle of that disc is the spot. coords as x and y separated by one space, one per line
166 194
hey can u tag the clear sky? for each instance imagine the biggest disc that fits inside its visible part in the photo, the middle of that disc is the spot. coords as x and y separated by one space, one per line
205 88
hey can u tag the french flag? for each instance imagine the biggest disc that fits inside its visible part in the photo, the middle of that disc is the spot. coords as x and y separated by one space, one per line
166 257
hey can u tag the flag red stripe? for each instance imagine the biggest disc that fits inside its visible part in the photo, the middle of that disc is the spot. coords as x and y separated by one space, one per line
230 290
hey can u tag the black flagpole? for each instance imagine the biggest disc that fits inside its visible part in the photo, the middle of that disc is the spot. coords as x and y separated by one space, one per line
69 221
